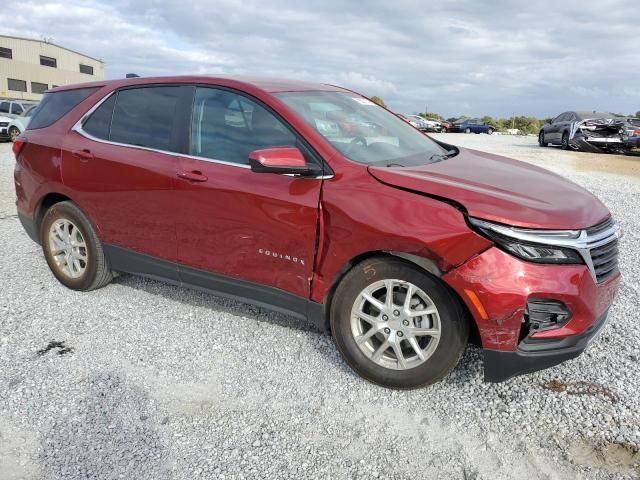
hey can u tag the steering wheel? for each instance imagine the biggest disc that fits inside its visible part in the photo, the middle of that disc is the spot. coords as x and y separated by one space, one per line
357 140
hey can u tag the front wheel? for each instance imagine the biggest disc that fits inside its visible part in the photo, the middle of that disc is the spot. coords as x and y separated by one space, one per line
467 130
490 131
72 248
396 325
14 133
565 141
541 140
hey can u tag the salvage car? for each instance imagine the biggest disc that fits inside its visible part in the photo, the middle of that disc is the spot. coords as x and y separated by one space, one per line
585 131
425 125
402 247
4 127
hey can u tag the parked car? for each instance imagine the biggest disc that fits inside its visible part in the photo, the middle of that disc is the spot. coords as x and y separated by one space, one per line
424 124
4 127
401 246
445 126
19 124
412 121
585 131
472 125
13 108
631 135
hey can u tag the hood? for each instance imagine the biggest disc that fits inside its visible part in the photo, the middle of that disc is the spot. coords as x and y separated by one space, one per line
502 190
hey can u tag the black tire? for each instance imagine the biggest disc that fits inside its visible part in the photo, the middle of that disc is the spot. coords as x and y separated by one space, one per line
467 130
565 141
13 133
454 326
97 272
541 141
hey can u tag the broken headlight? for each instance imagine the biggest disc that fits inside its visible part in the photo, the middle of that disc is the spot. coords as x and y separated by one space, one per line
528 244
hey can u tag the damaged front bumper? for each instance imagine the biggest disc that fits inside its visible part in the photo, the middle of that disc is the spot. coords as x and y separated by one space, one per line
535 354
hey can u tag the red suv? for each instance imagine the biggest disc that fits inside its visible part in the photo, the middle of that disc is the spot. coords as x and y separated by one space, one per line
316 202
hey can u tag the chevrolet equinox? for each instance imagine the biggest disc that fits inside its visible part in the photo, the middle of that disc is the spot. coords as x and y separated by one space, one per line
314 201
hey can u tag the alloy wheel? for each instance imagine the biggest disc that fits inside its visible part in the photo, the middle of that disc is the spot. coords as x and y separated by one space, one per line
395 324
68 248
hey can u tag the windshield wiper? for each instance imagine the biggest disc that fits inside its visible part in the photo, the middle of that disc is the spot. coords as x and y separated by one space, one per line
438 157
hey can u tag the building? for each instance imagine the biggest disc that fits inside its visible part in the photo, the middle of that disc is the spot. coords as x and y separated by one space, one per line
29 67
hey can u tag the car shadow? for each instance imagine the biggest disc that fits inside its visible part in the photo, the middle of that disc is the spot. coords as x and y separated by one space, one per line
212 302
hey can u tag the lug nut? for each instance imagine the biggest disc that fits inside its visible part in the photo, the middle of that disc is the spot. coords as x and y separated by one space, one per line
396 312
387 331
405 322
400 334
385 318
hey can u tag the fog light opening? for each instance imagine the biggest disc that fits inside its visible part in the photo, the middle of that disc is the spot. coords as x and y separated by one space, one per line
544 314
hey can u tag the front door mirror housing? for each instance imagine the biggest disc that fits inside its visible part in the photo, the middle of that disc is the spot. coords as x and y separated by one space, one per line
282 160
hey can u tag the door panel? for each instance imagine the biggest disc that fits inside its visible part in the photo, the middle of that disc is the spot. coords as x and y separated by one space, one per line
259 227
127 190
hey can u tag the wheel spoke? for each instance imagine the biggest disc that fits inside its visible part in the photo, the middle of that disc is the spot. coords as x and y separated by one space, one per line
416 348
426 332
397 348
366 336
381 349
388 284
373 301
420 313
367 318
407 299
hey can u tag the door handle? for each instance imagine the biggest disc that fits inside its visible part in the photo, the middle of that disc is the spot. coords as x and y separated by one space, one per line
193 176
85 154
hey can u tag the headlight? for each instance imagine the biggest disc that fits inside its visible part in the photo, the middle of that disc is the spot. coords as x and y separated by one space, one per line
530 245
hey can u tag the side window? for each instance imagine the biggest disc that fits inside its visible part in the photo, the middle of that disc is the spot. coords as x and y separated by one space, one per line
16 108
227 126
55 105
144 116
4 107
98 124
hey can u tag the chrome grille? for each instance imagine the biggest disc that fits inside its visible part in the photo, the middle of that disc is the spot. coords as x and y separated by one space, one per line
602 240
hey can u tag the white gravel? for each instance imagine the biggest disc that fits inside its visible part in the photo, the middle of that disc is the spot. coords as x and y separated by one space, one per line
166 383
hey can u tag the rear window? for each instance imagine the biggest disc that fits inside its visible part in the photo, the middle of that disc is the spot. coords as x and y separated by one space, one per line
144 116
56 105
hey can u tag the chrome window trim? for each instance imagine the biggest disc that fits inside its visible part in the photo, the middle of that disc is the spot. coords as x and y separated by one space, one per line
78 129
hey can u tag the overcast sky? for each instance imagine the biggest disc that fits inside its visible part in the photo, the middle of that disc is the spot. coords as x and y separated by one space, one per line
456 57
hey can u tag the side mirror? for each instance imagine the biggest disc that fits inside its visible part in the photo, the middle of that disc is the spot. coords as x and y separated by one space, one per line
549 122
282 160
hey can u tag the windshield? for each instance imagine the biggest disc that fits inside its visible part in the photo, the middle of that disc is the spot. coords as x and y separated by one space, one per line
363 131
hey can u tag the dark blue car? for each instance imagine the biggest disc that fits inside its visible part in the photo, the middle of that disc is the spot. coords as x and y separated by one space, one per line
472 125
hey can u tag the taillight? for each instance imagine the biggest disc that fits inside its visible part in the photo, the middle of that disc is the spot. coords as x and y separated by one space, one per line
18 145
636 132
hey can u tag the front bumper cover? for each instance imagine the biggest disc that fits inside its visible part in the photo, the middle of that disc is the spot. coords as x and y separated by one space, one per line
535 354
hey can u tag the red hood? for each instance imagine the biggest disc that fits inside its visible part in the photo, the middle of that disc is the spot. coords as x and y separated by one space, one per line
502 190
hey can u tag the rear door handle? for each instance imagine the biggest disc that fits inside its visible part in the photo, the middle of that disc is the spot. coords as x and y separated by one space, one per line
193 176
83 154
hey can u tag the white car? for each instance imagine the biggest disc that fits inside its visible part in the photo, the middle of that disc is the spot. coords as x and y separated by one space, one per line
19 124
4 128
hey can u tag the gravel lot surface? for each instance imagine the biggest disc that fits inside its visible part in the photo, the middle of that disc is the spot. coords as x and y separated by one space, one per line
151 381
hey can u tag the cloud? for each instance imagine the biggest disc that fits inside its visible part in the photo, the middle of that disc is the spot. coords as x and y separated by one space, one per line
462 57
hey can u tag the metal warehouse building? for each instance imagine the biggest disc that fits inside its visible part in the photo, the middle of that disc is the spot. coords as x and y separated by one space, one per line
29 67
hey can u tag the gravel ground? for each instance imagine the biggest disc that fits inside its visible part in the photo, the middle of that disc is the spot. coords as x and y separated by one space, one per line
150 381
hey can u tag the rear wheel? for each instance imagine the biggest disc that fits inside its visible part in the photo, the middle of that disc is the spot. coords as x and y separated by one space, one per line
541 140
490 131
565 141
396 325
467 130
72 249
14 133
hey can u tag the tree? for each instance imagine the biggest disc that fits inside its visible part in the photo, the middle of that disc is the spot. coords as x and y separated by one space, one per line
378 100
431 116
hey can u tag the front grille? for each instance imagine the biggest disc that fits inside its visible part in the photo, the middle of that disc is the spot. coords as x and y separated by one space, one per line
602 242
4 124
605 260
